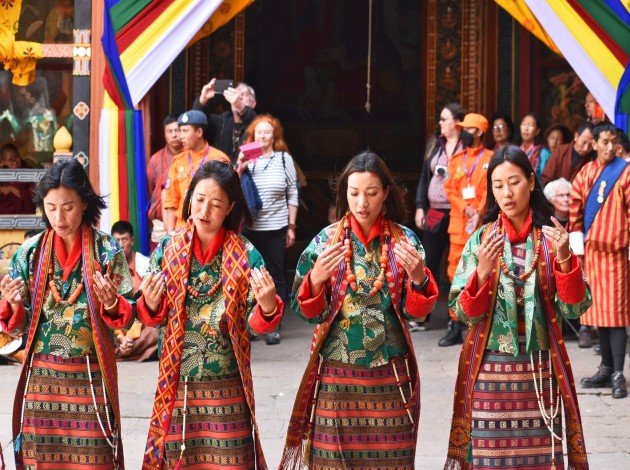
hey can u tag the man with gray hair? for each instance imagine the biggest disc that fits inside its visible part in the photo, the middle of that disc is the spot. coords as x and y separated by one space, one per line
558 193
226 131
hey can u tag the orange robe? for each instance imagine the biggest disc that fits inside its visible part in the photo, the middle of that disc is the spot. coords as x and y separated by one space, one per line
605 247
459 167
180 174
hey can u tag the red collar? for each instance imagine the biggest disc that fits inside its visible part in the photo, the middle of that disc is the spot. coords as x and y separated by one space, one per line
513 236
215 245
67 261
375 230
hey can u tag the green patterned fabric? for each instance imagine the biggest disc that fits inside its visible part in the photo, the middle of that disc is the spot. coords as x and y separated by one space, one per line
207 347
366 331
66 330
504 331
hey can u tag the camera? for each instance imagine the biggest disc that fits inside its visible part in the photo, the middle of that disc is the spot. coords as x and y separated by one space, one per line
440 170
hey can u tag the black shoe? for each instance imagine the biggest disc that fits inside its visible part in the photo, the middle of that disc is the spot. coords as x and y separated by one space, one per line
273 338
453 335
601 379
584 338
597 350
619 389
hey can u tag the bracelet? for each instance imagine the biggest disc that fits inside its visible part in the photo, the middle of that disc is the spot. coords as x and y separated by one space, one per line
564 260
270 314
109 307
292 227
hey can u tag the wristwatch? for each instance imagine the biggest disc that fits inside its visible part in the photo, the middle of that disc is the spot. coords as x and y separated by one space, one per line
420 287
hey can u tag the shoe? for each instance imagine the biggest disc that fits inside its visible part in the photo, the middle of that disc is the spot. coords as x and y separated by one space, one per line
597 350
601 379
584 338
416 326
619 389
453 335
273 338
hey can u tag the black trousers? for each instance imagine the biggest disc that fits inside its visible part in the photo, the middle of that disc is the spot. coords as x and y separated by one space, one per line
612 342
272 246
435 244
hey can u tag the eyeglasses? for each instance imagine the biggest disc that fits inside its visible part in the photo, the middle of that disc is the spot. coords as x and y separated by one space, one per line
498 127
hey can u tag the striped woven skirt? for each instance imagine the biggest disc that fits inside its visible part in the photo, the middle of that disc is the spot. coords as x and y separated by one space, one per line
360 419
218 425
60 427
507 426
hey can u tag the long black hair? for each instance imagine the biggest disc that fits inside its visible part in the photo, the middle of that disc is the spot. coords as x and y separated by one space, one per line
229 182
542 209
369 161
71 175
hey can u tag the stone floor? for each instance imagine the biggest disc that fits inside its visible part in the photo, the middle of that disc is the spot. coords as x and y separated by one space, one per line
278 369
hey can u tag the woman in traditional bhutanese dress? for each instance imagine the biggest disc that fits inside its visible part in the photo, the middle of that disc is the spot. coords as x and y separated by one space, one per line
515 284
72 285
360 280
207 288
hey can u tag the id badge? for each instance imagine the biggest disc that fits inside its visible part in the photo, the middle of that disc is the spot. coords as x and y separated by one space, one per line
468 193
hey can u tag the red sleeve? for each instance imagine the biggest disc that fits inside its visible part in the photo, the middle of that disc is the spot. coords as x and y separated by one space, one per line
10 321
146 317
121 318
475 301
419 304
262 324
310 306
570 286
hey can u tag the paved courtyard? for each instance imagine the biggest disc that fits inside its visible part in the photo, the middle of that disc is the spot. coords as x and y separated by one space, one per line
277 372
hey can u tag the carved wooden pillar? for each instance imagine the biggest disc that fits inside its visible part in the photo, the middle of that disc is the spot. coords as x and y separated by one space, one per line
461 57
96 89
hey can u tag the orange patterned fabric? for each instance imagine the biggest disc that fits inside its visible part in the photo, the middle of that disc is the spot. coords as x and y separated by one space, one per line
235 280
606 247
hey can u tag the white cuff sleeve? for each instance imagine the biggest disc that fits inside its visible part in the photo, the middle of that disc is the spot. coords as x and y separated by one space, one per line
576 242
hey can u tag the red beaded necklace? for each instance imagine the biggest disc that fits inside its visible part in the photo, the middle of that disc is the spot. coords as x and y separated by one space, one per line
55 292
347 241
528 272
204 278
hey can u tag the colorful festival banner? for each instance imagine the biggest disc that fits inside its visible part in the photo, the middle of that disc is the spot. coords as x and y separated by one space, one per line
594 37
141 39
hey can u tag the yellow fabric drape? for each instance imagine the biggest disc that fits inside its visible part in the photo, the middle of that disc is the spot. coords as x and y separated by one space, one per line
19 57
519 10
226 11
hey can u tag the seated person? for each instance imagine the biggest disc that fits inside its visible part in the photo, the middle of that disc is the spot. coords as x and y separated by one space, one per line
15 197
138 343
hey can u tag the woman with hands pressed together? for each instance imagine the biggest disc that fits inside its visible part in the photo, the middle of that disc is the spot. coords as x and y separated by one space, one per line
515 284
72 285
208 288
359 280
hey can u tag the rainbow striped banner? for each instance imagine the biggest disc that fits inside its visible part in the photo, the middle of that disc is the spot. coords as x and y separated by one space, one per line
594 37
141 39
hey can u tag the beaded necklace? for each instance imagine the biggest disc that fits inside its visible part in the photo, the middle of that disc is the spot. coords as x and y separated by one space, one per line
528 272
347 241
204 278
57 295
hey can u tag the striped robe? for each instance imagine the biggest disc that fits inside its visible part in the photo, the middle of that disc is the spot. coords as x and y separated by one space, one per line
605 247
